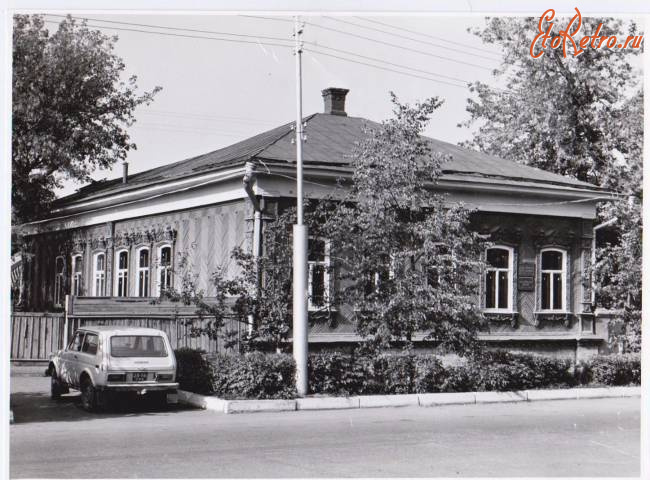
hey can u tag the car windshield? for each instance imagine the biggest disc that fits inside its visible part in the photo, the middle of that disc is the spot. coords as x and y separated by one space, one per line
138 346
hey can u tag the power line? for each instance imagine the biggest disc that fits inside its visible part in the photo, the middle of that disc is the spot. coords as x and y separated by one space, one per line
184 36
275 38
406 37
442 39
202 117
319 45
184 29
385 68
343 32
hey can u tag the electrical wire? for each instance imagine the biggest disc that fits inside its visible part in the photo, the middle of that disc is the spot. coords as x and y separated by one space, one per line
464 52
442 39
184 29
401 47
343 32
319 45
385 68
184 36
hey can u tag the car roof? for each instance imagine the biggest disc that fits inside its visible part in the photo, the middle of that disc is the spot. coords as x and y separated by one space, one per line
121 330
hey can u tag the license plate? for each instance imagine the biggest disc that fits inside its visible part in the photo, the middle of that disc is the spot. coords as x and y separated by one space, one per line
139 376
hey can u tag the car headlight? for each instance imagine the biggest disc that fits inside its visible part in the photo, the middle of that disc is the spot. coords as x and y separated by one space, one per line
116 377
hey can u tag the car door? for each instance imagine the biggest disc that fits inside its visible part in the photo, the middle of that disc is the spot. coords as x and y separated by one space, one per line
69 359
87 357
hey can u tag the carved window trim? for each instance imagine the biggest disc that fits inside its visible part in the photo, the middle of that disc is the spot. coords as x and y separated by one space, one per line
168 270
566 281
76 277
143 274
59 280
99 275
121 273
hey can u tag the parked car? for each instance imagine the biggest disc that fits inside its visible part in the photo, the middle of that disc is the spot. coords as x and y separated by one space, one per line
103 361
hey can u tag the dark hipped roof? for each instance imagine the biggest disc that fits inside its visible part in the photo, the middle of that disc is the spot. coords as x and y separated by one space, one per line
330 141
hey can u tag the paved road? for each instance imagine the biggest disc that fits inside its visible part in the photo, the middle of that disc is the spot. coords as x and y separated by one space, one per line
560 438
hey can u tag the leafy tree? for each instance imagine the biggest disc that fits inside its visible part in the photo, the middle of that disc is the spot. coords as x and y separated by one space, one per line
560 114
407 260
71 107
577 116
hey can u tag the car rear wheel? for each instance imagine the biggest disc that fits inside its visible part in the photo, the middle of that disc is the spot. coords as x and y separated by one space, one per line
55 385
88 396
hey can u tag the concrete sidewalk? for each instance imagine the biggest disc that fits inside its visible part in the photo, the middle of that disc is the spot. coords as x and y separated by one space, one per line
32 370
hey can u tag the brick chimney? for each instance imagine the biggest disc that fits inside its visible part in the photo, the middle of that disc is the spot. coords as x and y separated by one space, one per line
334 99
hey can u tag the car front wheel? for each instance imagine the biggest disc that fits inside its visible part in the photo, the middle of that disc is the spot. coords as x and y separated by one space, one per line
88 396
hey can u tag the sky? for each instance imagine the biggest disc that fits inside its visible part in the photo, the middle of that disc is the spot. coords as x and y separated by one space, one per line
215 93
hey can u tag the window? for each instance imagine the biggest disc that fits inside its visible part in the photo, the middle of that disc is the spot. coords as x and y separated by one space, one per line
138 346
498 279
553 296
75 343
164 268
143 272
77 269
318 274
59 280
122 274
99 275
90 344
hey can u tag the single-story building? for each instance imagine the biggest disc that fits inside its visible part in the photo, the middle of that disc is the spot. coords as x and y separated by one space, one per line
120 239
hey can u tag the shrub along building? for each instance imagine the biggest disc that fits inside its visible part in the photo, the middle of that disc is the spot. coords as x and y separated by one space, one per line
115 244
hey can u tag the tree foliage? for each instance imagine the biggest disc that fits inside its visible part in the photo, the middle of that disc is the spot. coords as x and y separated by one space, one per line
576 116
71 107
407 262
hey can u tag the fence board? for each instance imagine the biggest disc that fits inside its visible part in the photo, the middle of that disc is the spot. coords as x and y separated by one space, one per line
34 336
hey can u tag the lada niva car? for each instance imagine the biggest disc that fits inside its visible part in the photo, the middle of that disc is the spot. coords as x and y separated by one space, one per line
101 361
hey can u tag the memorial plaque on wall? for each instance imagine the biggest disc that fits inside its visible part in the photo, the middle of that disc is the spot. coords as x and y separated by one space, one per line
526 277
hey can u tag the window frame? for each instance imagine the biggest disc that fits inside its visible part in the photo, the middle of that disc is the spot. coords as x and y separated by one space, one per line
76 278
95 274
511 280
121 273
160 267
564 275
59 281
84 343
143 270
326 263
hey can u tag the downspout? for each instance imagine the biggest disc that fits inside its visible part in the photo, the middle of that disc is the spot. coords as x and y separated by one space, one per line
593 253
249 177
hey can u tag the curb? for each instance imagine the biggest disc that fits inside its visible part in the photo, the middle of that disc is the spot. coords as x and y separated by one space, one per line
407 400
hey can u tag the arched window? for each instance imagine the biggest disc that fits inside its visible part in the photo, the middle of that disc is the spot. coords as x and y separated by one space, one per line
143 272
77 271
122 273
99 275
498 279
59 280
164 268
553 281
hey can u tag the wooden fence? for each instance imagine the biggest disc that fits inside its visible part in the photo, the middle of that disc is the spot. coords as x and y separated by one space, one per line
34 336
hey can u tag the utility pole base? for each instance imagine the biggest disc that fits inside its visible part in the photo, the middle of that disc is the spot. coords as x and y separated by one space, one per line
300 236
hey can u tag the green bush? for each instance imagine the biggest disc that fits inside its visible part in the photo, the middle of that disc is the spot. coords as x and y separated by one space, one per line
614 369
193 371
430 375
336 374
394 373
254 375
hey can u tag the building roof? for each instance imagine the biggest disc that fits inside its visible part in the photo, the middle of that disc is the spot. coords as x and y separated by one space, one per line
330 142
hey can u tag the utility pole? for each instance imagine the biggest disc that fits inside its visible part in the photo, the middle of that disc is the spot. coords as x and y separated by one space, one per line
300 236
